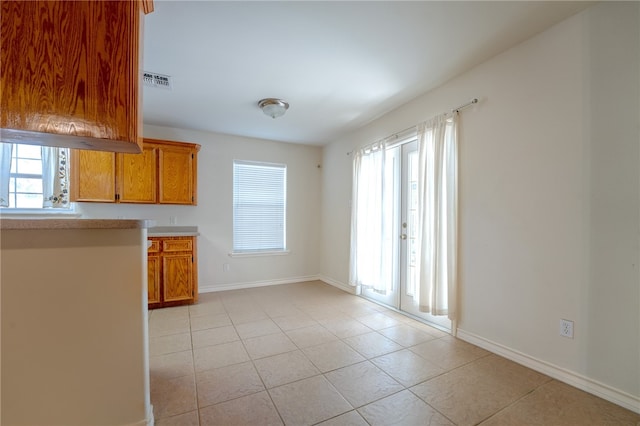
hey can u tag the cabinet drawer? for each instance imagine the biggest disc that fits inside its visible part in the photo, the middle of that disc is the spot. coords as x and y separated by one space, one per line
154 247
177 245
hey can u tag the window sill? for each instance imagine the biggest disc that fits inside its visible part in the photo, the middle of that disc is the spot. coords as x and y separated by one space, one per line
26 213
260 253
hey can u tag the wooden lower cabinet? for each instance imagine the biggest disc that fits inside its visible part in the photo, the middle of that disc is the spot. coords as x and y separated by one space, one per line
172 269
153 270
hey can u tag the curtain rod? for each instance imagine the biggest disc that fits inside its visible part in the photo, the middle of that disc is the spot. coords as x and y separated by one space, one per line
397 134
471 102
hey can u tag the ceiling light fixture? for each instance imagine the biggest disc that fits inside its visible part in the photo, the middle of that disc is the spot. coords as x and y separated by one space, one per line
273 107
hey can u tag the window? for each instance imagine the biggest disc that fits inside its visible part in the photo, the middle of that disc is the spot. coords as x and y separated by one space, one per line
25 180
33 177
259 207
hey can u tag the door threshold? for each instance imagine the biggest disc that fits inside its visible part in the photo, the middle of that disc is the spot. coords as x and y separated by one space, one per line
408 315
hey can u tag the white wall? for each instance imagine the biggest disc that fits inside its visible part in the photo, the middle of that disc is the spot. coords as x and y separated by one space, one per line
549 199
213 214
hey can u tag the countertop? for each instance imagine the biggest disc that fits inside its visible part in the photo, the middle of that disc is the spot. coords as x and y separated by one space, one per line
173 231
40 224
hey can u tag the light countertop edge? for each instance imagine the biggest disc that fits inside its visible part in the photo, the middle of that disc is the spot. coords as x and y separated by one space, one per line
172 234
42 224
173 231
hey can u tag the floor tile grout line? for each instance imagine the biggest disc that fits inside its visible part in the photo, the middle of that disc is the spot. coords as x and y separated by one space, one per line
193 364
264 385
431 406
514 402
338 415
301 349
197 400
376 400
288 383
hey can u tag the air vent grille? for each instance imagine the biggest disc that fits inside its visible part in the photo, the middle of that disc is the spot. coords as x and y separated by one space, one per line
153 79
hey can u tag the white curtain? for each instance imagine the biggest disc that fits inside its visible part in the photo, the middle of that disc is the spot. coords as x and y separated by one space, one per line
371 263
55 177
438 216
5 171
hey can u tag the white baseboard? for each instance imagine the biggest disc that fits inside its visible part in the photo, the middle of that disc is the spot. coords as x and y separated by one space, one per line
237 286
338 284
149 421
579 381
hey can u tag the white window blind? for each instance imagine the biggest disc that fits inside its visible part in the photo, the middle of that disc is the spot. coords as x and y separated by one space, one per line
259 206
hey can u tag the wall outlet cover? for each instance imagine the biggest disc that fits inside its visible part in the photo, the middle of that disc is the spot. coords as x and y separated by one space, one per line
566 328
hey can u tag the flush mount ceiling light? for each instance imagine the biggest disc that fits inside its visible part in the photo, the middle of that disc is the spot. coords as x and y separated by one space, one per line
273 107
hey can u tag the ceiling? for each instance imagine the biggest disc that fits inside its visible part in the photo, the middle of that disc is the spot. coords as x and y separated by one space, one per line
339 64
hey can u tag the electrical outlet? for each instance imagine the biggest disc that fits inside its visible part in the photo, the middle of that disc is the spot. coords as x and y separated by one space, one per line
566 328
226 267
173 220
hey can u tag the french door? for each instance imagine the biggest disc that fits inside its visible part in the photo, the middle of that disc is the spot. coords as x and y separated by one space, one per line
401 178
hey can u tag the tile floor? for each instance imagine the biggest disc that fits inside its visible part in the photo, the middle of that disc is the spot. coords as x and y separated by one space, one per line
308 353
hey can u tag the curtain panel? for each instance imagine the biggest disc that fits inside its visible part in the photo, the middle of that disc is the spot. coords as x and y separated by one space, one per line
371 262
438 215
55 178
372 218
6 150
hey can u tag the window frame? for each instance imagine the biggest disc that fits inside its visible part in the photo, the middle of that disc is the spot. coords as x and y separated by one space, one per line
14 176
32 211
257 251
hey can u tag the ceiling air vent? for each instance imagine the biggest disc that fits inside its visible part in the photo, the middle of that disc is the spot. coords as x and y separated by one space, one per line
153 79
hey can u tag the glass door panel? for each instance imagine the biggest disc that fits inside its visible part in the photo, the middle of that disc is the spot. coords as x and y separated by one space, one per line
409 292
391 296
401 181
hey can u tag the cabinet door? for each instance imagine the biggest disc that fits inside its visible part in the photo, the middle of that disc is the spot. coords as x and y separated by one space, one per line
93 176
176 175
177 277
137 177
153 286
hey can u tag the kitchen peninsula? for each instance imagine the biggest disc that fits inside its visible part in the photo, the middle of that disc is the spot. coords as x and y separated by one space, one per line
74 322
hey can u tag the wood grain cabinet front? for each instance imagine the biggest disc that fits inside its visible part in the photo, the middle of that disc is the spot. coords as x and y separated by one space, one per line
107 177
177 174
70 73
172 268
153 270
136 177
93 176
164 173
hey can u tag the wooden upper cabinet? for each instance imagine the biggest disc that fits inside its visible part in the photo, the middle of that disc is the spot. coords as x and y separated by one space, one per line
177 175
109 177
177 171
93 176
70 73
165 172
137 176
